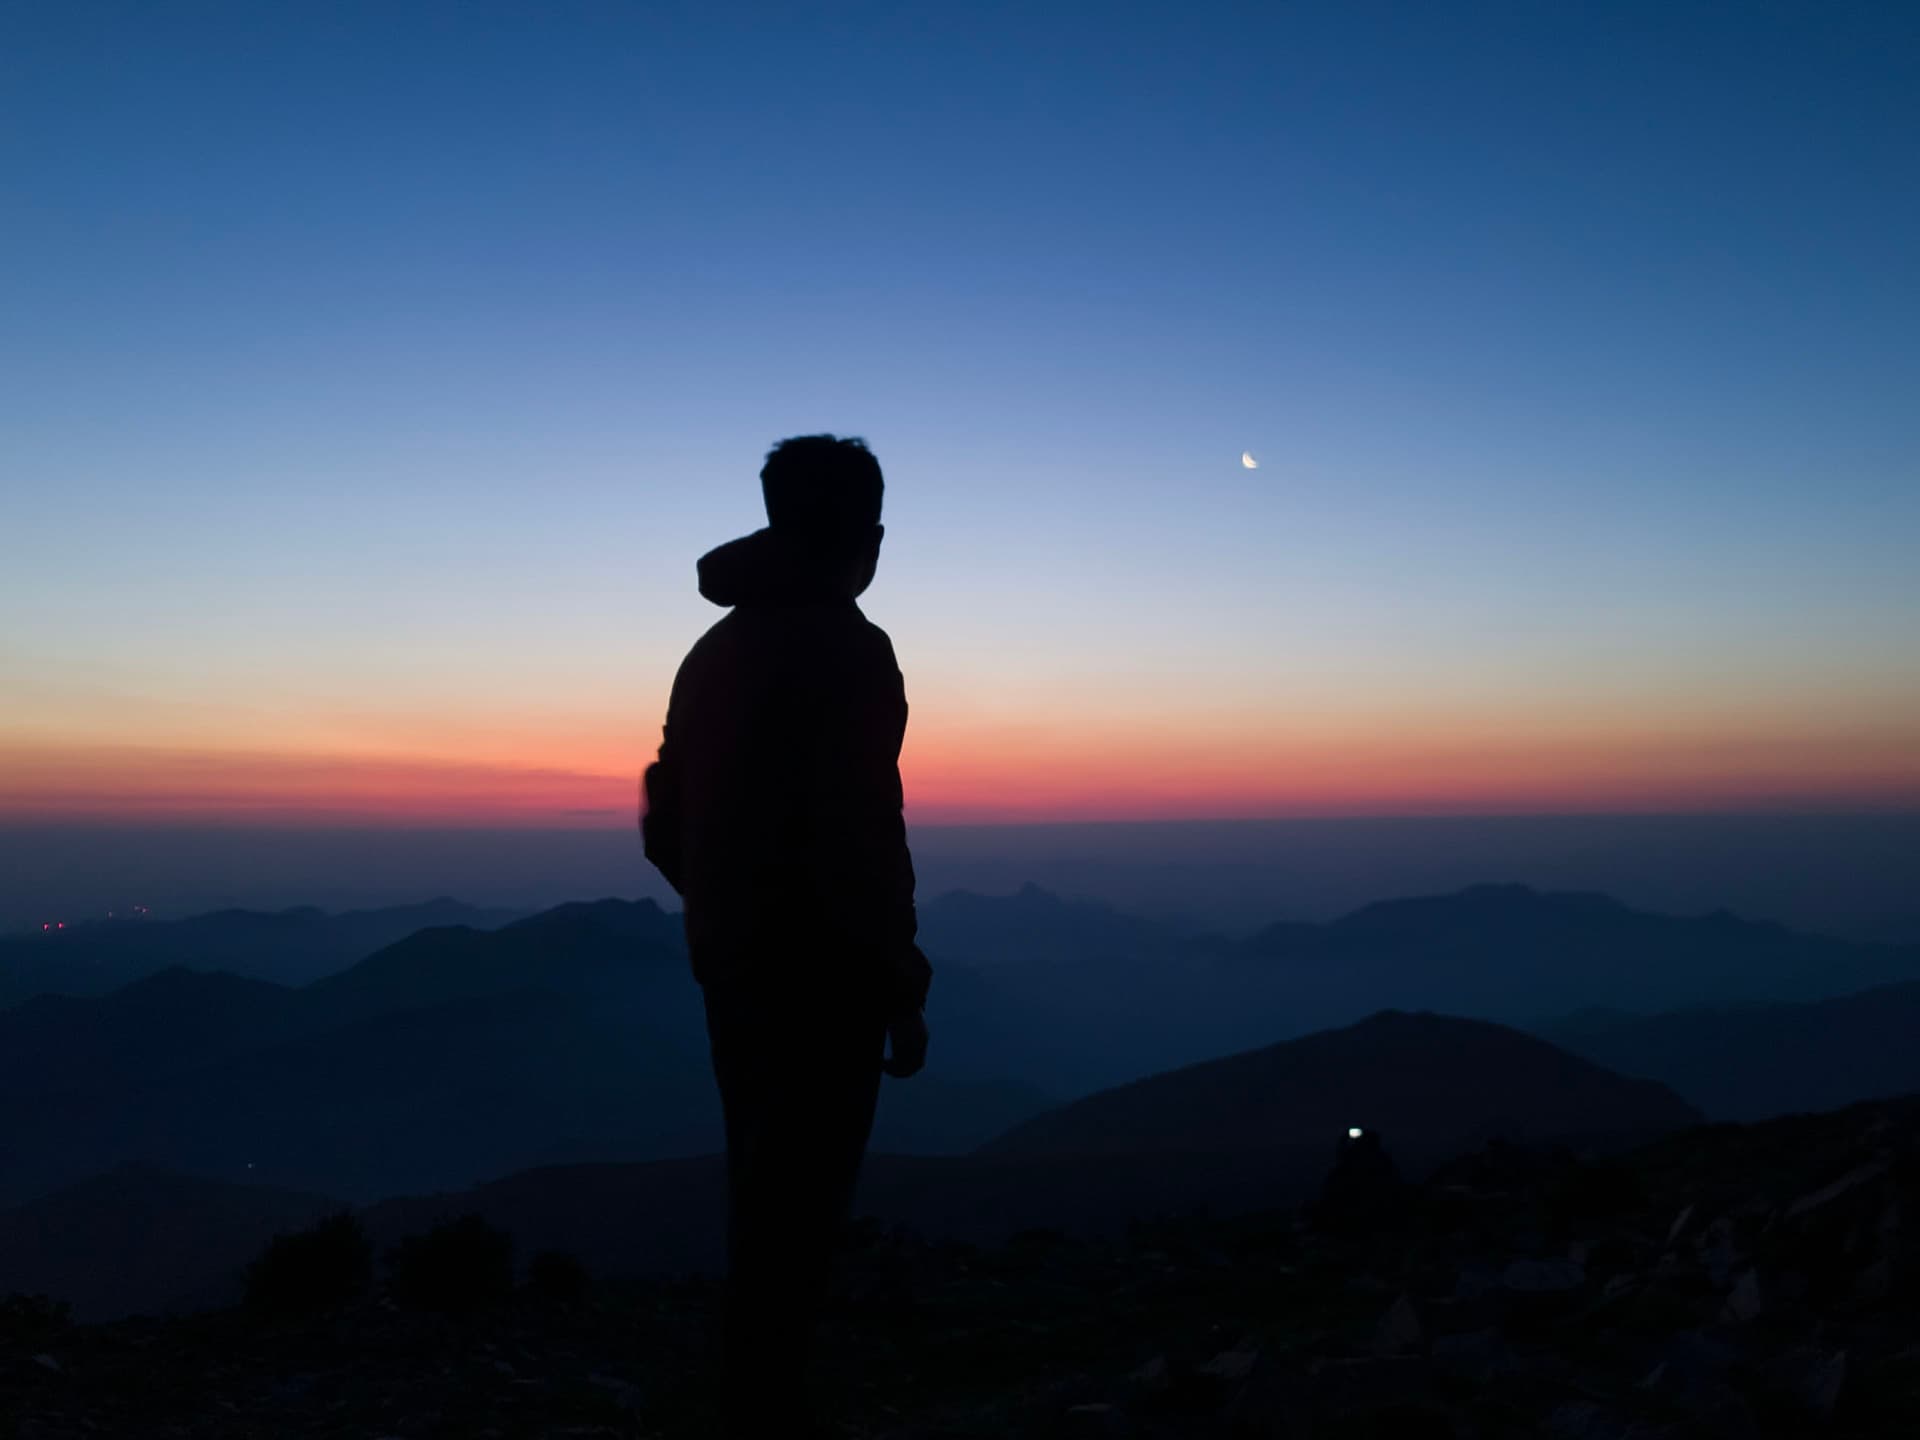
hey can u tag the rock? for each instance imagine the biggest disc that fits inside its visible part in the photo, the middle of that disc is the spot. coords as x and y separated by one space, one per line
1274 1403
47 1362
1343 1387
623 1393
1679 1226
1089 1421
1746 1302
1692 1353
1826 1194
1473 1281
1718 1252
1543 1277
1452 1317
1152 1377
1399 1331
1586 1420
1693 1374
1876 1282
1816 1378
1478 1355
1621 1286
1234 1364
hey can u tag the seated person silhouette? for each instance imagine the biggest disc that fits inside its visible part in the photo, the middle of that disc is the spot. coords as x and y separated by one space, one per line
774 809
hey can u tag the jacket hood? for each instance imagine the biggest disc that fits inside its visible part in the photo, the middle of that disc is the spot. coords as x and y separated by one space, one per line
767 568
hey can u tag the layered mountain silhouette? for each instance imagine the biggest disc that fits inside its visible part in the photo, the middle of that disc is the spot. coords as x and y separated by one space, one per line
289 947
1108 999
1246 1133
1033 925
453 1055
1749 1062
1510 952
457 1054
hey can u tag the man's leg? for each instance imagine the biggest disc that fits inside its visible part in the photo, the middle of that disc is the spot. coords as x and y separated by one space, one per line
798 1082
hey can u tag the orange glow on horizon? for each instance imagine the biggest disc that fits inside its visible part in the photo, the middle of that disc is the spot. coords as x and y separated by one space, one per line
1005 778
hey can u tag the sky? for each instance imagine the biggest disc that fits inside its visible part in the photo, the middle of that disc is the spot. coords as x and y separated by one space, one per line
371 377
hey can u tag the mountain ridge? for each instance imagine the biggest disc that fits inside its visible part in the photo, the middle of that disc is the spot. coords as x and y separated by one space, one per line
219 1073
985 1196
1748 1062
1435 1082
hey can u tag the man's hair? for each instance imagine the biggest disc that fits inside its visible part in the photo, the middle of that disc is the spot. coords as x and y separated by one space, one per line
822 486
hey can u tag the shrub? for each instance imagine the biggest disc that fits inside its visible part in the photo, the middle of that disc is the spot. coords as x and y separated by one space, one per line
556 1276
32 1319
461 1264
326 1264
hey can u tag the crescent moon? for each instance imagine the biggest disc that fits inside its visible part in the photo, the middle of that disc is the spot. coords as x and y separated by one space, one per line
1246 459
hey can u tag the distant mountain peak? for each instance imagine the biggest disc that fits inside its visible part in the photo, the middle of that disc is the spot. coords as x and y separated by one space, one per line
1028 893
1482 900
609 913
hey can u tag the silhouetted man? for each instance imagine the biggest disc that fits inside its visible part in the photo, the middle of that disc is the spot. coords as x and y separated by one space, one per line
775 810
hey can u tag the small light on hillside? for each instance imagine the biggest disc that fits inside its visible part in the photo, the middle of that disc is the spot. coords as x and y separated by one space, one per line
1353 1132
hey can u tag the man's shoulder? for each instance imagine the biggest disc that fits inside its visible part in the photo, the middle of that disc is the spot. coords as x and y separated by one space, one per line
716 637
839 640
877 642
754 635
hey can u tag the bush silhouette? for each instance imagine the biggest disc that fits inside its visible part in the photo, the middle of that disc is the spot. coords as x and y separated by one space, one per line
1362 1192
32 1319
556 1276
326 1264
461 1264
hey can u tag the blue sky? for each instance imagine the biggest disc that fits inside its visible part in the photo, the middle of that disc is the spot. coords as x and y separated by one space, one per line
374 374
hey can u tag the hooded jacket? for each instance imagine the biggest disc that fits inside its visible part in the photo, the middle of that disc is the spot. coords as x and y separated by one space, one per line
774 808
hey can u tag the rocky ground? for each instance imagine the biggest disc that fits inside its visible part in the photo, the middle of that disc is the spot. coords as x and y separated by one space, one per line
1732 1281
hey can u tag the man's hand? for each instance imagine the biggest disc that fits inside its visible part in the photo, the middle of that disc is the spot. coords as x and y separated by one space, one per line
907 1042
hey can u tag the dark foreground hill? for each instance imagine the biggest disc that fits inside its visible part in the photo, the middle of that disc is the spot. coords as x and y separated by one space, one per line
1228 1137
1730 1281
192 1238
1748 1062
1436 1083
1237 1135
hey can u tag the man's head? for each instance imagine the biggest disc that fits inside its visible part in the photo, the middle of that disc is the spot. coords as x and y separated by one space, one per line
825 492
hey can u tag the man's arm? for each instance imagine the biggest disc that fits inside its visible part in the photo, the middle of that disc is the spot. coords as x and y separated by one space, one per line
660 815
